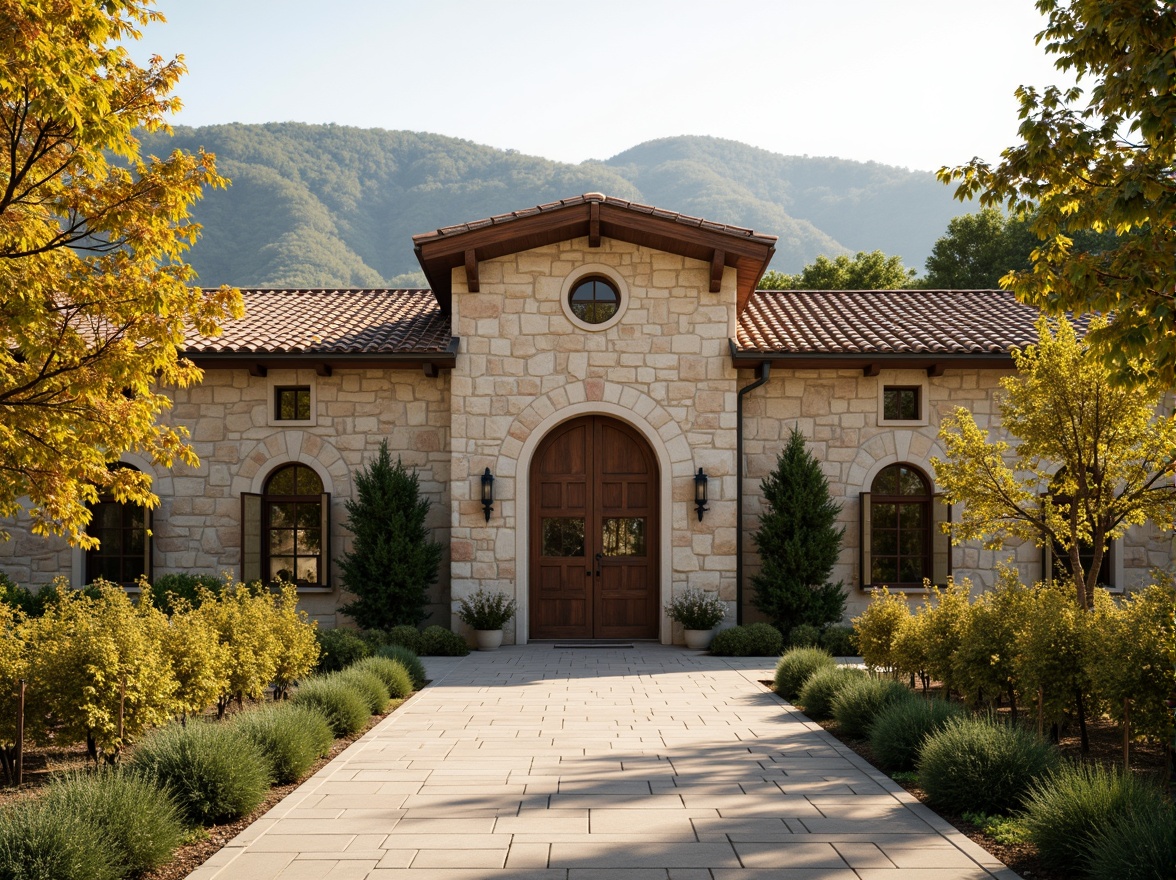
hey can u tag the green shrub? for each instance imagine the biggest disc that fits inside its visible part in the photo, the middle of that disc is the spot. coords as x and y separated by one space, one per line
840 641
900 729
291 737
370 686
43 841
409 660
339 702
1065 811
213 774
1138 845
1002 829
138 822
795 667
375 639
437 641
25 600
392 673
816 696
982 765
804 636
408 637
168 588
338 649
753 640
857 704
878 626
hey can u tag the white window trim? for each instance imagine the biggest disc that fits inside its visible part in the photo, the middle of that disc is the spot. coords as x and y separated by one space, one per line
582 272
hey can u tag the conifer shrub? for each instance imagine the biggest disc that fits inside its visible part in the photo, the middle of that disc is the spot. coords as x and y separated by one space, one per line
816 695
804 636
44 841
344 707
1137 845
213 774
407 637
369 685
291 737
858 703
839 641
753 640
437 641
392 673
798 543
392 561
409 660
339 648
139 824
1066 811
982 765
899 730
795 667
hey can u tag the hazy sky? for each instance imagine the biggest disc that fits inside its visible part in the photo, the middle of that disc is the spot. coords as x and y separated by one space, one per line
914 83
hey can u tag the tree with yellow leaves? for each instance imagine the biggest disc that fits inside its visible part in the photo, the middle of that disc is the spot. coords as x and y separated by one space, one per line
1091 458
95 298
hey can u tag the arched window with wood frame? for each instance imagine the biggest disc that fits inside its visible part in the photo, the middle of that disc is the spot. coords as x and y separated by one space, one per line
123 530
286 529
902 537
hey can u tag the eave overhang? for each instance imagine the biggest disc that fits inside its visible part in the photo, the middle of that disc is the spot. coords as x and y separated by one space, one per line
259 363
871 364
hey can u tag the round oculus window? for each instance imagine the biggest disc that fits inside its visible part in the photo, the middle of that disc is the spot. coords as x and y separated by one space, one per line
594 300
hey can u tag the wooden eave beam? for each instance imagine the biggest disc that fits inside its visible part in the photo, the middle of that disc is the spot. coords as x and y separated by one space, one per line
718 263
936 369
323 370
594 224
258 370
471 270
871 370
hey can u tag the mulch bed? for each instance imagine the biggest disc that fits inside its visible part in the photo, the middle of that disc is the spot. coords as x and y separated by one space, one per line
1106 747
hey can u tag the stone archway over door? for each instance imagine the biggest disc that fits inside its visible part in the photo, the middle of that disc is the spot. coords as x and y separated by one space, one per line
594 533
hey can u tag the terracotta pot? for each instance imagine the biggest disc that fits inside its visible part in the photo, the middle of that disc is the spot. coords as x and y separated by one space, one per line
698 639
488 639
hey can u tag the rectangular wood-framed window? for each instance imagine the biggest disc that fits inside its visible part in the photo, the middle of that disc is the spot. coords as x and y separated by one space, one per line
902 403
292 403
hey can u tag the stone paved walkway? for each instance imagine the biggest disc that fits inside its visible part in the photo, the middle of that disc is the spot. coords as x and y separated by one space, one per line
547 763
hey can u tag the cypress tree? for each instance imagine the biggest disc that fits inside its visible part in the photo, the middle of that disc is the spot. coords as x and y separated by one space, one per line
798 543
392 562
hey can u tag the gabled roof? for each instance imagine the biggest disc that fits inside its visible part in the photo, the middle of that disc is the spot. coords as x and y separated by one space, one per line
398 328
879 328
594 216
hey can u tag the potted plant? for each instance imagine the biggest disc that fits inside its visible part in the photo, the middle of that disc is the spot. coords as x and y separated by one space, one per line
699 612
486 611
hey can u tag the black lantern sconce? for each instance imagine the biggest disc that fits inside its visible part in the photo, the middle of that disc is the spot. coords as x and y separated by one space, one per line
487 493
700 480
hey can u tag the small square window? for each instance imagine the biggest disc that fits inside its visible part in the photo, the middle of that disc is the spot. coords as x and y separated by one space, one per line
292 404
901 404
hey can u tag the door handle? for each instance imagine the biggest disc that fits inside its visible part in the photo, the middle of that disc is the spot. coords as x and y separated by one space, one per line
599 556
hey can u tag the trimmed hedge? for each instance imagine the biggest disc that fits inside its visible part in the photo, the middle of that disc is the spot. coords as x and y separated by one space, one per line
795 668
437 641
753 640
339 648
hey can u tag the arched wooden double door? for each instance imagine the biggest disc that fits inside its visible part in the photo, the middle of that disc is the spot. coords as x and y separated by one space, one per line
594 533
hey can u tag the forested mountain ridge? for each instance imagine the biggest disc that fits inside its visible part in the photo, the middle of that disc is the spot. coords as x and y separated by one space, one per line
326 205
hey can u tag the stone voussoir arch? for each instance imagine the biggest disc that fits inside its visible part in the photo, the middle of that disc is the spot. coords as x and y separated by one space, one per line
259 460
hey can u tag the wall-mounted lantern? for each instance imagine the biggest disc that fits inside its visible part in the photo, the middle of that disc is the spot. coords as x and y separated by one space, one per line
700 479
488 493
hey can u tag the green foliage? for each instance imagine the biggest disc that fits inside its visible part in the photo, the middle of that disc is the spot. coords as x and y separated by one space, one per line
43 841
796 666
941 629
22 599
244 623
200 662
840 641
338 701
862 271
394 675
804 636
291 737
1095 161
857 704
978 250
878 627
817 694
1050 634
437 641
137 821
982 765
1137 845
369 685
1091 458
339 648
1002 829
1065 811
392 562
213 774
407 637
409 660
697 609
486 609
899 730
983 664
172 591
798 543
294 632
753 640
